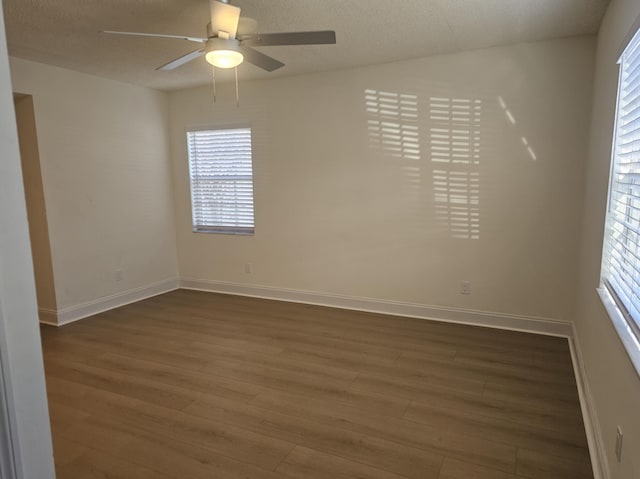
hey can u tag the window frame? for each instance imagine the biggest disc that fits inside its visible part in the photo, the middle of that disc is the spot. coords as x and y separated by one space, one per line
627 327
219 229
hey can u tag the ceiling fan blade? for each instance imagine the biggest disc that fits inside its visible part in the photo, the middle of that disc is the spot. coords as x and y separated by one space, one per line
325 37
157 35
182 60
260 59
224 18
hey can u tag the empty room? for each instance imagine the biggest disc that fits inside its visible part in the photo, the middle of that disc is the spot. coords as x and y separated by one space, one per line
324 239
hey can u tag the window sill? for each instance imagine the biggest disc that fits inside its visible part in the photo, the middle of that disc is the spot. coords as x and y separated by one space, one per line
628 337
226 231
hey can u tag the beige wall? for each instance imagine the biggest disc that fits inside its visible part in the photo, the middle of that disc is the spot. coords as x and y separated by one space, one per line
615 385
107 184
20 353
36 209
338 211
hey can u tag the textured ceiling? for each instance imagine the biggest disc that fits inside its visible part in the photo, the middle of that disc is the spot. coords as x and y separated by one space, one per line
65 32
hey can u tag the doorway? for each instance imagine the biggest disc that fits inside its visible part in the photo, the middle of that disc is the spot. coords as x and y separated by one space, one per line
36 208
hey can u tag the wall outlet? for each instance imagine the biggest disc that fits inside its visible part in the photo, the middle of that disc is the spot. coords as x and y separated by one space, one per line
465 287
118 275
248 268
619 437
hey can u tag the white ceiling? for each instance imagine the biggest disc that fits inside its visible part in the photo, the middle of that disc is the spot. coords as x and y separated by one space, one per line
65 32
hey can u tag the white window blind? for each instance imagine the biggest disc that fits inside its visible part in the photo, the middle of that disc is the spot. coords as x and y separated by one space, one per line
221 180
621 259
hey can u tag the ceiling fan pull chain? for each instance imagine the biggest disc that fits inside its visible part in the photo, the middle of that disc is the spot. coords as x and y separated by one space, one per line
213 77
237 91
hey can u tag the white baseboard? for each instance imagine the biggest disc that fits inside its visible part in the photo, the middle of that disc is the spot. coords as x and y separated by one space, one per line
48 316
527 324
599 460
80 311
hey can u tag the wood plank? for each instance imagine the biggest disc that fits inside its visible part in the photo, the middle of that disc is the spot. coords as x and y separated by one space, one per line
312 464
379 453
527 416
135 416
65 451
323 436
536 465
152 392
163 454
440 441
564 441
179 378
97 465
455 469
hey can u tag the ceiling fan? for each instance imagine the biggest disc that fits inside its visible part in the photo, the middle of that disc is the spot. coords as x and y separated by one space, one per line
224 48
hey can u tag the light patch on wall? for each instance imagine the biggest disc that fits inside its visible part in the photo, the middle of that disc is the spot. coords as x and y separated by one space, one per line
455 154
393 130
393 125
512 120
532 154
507 112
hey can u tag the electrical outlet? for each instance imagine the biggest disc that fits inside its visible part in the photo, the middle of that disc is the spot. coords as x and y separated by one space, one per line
619 437
465 287
248 268
118 275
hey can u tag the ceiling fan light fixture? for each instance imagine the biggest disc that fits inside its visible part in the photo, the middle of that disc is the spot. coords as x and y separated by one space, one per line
224 58
224 53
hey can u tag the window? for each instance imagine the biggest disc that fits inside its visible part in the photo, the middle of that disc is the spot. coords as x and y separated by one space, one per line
621 256
221 178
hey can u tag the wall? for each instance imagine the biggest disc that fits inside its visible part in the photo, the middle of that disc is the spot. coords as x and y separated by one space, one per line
36 208
398 181
107 185
20 353
614 384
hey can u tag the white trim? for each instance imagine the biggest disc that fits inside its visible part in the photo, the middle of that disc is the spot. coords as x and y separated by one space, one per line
550 327
9 456
8 469
48 316
80 311
630 341
627 38
217 125
599 461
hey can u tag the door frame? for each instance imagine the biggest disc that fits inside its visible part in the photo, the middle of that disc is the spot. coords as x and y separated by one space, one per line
8 441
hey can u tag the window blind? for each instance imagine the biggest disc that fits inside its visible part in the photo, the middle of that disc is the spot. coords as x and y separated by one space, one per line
221 180
621 259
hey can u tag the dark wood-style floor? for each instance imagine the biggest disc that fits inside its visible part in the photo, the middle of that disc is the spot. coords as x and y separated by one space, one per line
192 385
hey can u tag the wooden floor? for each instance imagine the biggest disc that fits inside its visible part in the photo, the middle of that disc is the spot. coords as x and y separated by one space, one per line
192 385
